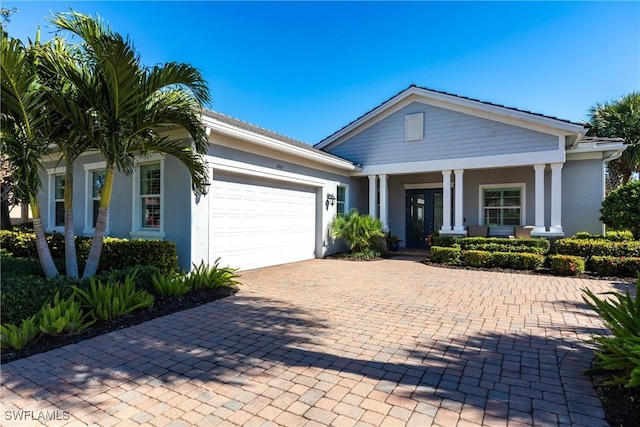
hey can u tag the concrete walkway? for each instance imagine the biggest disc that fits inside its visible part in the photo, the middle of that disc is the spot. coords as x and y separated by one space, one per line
329 342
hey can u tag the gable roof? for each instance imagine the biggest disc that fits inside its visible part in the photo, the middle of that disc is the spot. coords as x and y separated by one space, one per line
225 124
458 100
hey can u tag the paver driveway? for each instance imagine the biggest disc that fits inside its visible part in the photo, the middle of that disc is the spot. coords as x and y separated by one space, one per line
328 342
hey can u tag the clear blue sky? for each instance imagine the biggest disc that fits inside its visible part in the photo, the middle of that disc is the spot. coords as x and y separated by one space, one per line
306 69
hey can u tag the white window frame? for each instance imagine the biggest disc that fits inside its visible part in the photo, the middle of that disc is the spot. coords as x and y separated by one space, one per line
411 130
523 199
89 169
138 231
346 198
51 200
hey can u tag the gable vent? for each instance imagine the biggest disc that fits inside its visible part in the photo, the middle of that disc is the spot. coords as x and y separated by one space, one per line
414 127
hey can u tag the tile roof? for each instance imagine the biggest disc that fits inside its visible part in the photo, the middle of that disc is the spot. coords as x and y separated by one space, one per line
586 125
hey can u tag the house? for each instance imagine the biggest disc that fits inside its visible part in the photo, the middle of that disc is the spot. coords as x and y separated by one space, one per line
423 161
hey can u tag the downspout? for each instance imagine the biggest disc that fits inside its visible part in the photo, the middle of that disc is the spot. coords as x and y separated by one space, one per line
614 156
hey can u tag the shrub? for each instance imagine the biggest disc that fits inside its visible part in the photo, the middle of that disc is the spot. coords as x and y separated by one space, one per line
23 296
359 231
586 248
446 241
445 255
170 285
615 266
110 300
517 260
204 276
64 317
142 275
567 265
621 208
496 244
17 337
619 353
475 258
12 266
363 255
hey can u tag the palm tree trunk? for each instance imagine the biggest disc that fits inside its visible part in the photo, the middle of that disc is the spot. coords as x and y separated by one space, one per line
93 259
70 257
44 253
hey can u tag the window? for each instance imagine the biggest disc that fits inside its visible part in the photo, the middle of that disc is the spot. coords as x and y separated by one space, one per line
150 183
502 205
341 200
58 200
414 127
94 182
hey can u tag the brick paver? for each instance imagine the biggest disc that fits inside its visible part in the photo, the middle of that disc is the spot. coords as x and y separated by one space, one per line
329 342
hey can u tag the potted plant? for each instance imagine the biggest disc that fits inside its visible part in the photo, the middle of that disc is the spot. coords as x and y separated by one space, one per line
393 242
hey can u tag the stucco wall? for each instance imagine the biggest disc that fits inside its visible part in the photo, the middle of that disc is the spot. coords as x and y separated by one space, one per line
582 195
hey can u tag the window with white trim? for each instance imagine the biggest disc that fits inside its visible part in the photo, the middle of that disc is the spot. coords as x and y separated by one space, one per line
341 200
502 205
150 196
58 200
95 174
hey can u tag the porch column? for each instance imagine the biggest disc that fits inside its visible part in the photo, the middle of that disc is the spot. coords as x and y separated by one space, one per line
459 218
446 201
556 198
384 202
373 196
539 199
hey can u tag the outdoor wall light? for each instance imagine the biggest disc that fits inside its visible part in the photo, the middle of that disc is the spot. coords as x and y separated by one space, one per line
331 199
203 191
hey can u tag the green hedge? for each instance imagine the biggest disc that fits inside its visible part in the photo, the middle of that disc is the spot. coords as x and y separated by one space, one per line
614 236
587 248
445 255
514 260
496 244
445 241
567 265
116 253
615 266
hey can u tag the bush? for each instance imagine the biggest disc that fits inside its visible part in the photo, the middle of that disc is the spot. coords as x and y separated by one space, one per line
142 275
11 267
475 258
359 231
110 300
621 208
17 337
63 317
445 255
445 241
496 244
204 276
23 296
620 353
170 285
586 248
615 266
116 253
567 265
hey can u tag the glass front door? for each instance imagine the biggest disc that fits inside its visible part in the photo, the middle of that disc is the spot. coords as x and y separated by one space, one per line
423 214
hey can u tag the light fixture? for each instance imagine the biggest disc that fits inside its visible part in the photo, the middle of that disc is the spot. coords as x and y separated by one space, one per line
205 188
331 199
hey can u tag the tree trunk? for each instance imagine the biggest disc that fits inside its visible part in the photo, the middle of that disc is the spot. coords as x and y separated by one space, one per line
93 260
70 257
44 253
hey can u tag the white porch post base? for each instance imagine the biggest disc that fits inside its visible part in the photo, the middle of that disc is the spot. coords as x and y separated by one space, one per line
459 189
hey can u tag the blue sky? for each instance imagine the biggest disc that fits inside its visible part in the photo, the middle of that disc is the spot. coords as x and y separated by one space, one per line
305 69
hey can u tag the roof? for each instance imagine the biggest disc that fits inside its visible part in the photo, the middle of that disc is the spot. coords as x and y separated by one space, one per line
240 124
583 124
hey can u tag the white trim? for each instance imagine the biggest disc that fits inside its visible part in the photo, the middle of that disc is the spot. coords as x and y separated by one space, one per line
241 168
556 198
89 169
373 196
446 202
137 230
51 200
346 197
384 201
455 103
265 141
411 130
459 200
503 160
523 199
425 185
539 198
590 155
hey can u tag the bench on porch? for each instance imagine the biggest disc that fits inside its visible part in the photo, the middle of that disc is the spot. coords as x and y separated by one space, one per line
517 232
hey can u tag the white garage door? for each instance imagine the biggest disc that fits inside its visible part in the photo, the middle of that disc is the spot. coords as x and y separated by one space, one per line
258 223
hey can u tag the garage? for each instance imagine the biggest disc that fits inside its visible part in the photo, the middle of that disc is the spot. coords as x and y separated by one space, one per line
260 222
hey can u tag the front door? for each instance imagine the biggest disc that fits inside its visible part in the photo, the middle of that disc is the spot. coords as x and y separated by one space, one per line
423 214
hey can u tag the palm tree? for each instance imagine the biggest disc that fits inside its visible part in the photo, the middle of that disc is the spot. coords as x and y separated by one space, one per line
620 119
24 140
128 109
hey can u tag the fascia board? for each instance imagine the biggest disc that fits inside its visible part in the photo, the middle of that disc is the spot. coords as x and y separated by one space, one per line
265 141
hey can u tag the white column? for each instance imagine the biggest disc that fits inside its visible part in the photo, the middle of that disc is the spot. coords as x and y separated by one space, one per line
384 202
373 195
539 199
459 218
556 198
446 201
